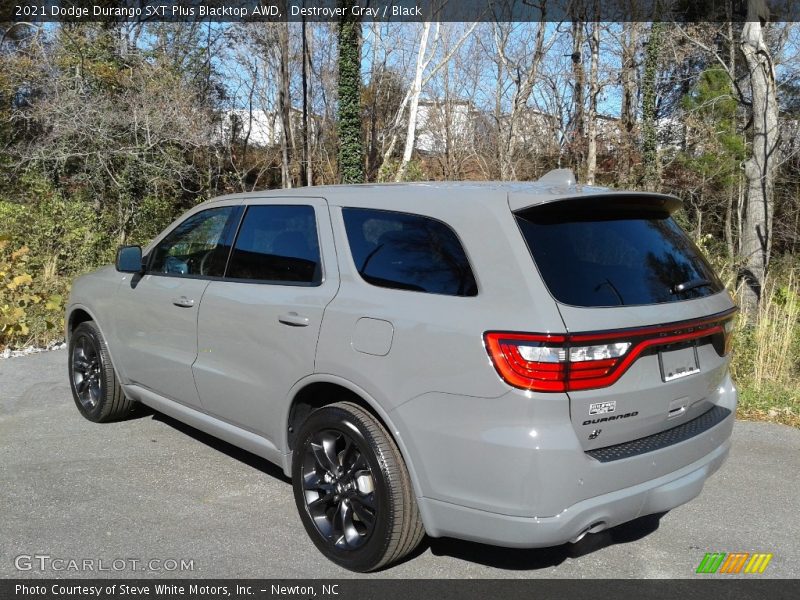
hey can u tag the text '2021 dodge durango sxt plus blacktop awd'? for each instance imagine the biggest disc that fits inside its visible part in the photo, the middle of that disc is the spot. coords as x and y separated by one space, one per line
511 363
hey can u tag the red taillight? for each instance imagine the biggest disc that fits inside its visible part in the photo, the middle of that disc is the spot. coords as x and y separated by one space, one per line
506 351
562 363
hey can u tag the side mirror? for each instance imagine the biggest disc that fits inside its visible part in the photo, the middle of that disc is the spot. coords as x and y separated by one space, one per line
129 259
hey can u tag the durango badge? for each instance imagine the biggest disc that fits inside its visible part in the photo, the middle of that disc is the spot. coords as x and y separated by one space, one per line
611 418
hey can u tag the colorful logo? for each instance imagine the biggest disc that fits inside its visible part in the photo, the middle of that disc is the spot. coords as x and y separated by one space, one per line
734 562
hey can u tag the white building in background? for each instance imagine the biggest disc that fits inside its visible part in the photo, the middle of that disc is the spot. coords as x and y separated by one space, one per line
535 128
260 127
539 130
432 131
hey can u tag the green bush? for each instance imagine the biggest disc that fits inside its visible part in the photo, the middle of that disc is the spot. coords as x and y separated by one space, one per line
64 235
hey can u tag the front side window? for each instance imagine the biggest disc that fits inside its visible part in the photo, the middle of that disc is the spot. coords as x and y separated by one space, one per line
408 252
196 247
277 244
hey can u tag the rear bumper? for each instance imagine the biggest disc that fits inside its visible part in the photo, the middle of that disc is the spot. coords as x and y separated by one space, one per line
596 513
510 471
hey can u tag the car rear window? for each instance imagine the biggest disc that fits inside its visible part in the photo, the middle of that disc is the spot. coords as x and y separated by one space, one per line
408 252
614 254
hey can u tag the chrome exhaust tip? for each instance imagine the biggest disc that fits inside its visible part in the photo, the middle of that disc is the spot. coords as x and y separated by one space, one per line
593 528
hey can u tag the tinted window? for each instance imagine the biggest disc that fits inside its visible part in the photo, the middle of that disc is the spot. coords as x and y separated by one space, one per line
615 256
408 252
277 244
197 246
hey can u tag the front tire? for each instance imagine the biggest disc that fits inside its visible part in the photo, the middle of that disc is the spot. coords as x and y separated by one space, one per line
95 388
353 490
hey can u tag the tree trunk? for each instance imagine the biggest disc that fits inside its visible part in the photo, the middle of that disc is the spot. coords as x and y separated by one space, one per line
733 196
578 129
448 125
759 169
351 148
649 131
451 166
739 213
378 71
729 221
285 106
413 108
629 84
306 171
594 92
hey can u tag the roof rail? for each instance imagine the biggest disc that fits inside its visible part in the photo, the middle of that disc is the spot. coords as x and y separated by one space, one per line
558 177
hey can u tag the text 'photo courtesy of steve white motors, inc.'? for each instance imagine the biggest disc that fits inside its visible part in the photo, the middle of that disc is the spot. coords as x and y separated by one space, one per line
173 590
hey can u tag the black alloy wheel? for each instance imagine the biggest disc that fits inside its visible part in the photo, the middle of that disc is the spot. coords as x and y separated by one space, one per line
353 490
339 489
93 381
87 377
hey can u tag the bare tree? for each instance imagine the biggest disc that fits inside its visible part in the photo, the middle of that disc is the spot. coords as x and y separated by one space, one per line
453 122
577 121
423 60
629 80
306 170
519 51
285 107
594 93
759 169
425 57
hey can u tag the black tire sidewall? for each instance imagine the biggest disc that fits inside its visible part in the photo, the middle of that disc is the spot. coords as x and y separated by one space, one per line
368 556
100 410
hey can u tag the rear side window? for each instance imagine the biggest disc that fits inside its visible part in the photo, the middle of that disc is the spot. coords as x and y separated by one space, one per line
277 244
615 255
408 252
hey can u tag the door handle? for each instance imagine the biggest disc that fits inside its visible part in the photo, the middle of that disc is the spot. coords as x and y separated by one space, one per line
293 319
183 302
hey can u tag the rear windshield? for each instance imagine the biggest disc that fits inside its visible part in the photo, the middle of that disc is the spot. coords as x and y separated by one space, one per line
614 255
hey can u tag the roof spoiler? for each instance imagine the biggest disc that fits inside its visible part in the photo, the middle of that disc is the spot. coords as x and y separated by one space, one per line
598 199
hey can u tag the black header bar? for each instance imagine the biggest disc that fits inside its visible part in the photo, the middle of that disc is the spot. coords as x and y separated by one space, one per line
702 587
39 11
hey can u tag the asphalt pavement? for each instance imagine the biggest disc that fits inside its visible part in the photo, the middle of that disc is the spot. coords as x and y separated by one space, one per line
139 497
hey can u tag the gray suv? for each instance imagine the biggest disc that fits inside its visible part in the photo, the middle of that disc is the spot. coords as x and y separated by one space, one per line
517 364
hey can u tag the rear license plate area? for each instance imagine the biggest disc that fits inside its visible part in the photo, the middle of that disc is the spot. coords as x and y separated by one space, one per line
677 362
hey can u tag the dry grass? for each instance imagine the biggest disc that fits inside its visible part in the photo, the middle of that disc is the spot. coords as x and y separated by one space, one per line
766 364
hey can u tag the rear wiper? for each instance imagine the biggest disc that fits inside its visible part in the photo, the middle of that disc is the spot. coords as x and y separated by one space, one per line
689 285
613 289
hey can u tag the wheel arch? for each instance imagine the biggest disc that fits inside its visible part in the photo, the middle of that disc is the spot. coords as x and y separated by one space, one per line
77 315
80 313
317 391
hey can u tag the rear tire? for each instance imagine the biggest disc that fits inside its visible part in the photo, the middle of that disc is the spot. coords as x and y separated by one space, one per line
352 489
95 388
